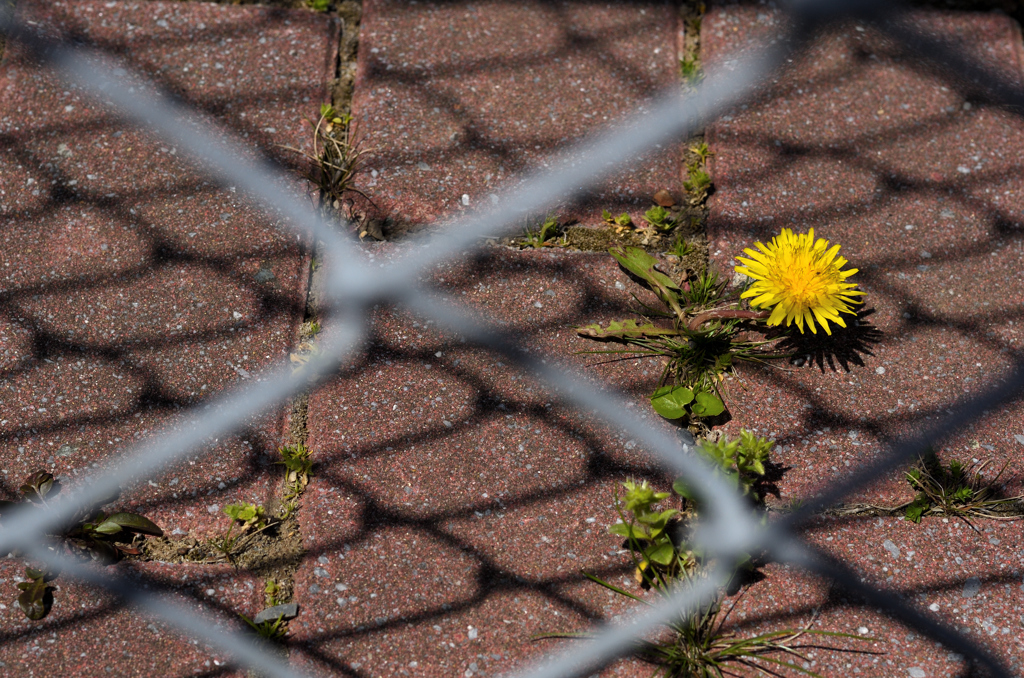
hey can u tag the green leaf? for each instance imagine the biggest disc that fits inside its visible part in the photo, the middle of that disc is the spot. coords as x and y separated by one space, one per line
624 329
662 554
682 489
707 405
36 597
629 531
38 486
670 401
917 508
641 264
108 527
136 523
612 587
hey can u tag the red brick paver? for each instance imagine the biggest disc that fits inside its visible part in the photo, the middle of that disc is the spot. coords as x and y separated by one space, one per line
134 288
915 182
457 99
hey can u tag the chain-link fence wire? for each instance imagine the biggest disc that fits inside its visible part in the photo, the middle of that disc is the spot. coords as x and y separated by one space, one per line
728 529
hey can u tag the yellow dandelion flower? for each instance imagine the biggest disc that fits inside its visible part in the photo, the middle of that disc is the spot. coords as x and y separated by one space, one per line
802 278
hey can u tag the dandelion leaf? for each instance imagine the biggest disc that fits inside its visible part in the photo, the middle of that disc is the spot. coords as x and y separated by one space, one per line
642 265
622 330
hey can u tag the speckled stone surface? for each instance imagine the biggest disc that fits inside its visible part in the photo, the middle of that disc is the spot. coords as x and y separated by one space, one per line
920 188
87 634
454 503
134 288
457 99
967 580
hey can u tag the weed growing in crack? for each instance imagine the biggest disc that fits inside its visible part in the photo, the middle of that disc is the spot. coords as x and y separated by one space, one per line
699 333
660 218
298 467
271 591
701 329
681 248
252 520
741 462
274 631
90 534
690 69
696 643
336 157
701 152
698 185
956 489
621 223
545 235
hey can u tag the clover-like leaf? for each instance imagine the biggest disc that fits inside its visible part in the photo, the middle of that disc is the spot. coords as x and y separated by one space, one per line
916 509
671 401
707 404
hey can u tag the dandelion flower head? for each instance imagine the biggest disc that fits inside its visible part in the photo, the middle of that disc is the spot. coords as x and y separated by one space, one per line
802 278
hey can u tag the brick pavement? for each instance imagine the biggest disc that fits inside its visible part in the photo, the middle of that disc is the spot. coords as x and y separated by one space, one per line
453 502
135 288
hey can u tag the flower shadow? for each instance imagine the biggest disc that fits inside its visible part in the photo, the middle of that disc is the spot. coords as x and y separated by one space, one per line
846 345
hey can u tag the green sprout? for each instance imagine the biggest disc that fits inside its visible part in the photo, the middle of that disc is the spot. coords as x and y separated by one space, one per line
298 467
36 596
957 490
271 591
698 185
336 158
702 152
740 461
619 223
275 631
699 646
690 69
660 218
253 521
681 248
544 236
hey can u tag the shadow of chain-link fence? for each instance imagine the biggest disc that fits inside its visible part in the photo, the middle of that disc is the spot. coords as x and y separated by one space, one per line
728 531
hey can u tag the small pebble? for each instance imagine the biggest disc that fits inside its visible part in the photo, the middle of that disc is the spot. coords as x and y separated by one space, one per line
971 587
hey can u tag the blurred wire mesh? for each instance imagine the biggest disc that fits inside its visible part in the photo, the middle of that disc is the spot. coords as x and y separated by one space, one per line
351 292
